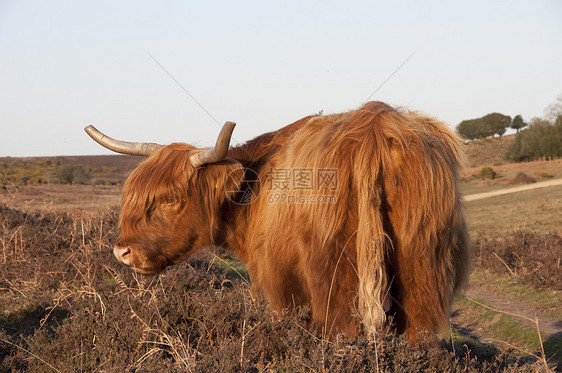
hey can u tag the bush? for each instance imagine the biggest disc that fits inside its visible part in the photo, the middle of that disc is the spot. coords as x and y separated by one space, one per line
73 175
542 139
20 172
486 173
522 178
532 256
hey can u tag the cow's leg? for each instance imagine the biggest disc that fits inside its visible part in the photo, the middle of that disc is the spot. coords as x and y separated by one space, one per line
333 314
281 286
421 299
333 298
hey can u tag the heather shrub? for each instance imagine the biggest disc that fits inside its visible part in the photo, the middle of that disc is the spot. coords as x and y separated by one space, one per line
67 305
486 173
522 178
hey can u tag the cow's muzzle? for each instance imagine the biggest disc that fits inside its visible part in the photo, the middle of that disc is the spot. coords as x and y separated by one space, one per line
123 254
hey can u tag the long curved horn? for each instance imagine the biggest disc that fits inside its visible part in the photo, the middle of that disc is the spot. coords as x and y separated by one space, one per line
218 153
123 147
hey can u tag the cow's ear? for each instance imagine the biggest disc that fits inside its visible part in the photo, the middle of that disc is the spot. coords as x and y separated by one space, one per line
222 179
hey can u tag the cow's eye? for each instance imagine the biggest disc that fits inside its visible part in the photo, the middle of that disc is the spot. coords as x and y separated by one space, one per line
172 201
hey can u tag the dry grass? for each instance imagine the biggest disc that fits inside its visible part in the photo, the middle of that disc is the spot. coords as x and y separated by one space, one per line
533 259
507 173
488 152
534 169
535 210
60 198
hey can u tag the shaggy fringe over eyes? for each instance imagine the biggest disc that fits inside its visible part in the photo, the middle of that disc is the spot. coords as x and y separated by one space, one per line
162 178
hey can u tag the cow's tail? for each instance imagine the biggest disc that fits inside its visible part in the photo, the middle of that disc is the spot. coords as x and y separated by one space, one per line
431 230
373 244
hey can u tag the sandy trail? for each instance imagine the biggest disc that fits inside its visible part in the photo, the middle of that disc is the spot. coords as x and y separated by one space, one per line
542 184
549 321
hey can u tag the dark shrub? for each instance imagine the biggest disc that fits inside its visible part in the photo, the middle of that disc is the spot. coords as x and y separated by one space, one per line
72 175
486 173
522 178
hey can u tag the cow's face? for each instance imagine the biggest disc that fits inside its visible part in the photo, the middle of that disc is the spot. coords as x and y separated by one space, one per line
170 208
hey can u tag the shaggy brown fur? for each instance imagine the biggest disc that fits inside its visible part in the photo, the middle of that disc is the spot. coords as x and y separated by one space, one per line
390 229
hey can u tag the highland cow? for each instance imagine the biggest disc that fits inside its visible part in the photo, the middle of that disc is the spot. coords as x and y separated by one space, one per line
357 215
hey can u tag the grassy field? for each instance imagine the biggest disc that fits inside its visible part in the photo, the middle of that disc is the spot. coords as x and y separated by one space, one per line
67 305
534 210
59 198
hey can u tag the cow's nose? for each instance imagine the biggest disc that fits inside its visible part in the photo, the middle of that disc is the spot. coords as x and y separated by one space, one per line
122 254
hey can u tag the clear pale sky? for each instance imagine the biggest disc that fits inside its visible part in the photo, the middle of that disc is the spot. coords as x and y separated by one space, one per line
262 64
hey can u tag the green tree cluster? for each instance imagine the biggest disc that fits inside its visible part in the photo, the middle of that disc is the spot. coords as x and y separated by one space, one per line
488 125
541 140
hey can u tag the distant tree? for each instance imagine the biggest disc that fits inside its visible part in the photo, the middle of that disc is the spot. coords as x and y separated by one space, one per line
496 123
518 123
72 175
467 129
553 110
81 175
488 125
64 174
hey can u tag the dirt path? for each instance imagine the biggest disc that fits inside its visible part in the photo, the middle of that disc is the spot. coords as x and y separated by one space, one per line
548 322
542 184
